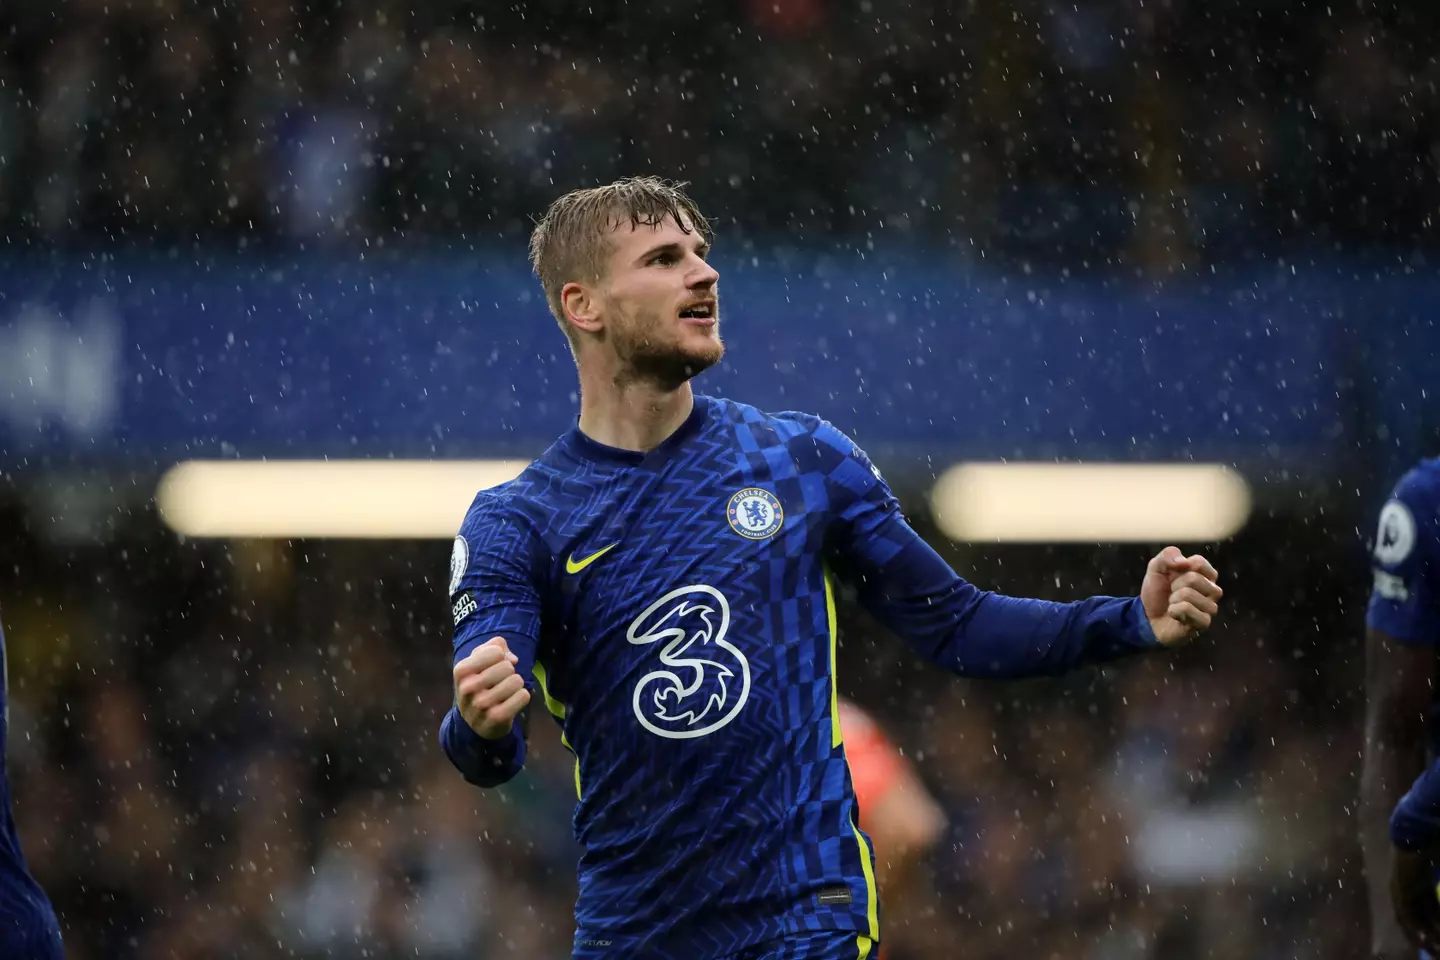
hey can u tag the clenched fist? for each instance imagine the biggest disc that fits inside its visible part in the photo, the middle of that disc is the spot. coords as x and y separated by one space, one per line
1180 595
488 691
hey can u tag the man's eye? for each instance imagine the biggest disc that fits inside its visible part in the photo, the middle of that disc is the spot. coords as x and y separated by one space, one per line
664 258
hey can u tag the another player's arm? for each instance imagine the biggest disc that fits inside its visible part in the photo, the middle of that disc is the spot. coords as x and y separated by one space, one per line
1399 836
496 610
1398 693
1415 833
905 823
977 633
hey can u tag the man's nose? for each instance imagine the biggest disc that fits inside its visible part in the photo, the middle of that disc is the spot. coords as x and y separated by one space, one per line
704 275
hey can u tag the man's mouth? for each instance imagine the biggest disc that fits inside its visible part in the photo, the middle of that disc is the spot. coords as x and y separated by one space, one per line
702 311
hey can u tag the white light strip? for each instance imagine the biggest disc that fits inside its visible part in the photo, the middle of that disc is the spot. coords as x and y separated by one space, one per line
1090 503
358 499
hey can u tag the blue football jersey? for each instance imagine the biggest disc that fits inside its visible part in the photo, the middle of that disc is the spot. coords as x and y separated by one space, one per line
1405 596
28 929
1405 605
674 612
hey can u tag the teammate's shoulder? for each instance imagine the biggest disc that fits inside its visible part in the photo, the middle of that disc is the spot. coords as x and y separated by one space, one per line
1408 520
1426 473
1420 484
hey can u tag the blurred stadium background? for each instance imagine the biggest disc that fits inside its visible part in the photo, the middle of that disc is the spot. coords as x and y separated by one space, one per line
1038 232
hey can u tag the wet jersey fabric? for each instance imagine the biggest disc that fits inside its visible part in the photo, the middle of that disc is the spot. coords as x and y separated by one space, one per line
674 611
1405 606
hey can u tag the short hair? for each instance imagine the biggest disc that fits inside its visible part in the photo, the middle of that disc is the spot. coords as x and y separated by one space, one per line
572 240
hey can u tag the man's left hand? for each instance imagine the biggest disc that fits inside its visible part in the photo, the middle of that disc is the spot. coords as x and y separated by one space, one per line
1180 595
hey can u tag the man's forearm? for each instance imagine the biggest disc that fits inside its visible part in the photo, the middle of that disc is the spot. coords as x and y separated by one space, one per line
978 633
1387 772
1415 824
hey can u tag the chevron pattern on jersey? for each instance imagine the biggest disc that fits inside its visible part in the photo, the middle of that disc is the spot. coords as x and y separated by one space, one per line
694 663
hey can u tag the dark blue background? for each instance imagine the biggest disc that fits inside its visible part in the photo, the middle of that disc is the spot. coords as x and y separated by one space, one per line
1292 367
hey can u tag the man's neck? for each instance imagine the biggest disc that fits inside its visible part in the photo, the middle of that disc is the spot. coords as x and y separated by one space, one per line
633 416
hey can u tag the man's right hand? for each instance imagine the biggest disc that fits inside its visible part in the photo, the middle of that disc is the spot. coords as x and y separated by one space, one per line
488 691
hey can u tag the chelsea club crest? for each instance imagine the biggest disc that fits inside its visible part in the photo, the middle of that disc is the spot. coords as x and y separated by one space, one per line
755 514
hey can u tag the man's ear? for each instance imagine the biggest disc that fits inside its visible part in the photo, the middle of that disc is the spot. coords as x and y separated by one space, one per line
581 305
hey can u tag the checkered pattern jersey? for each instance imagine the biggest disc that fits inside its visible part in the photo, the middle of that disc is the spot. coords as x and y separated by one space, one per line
673 611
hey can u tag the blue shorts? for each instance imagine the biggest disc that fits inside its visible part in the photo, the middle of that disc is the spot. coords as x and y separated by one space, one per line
825 945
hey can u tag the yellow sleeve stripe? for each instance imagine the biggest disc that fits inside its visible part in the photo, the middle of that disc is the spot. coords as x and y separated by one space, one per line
557 710
836 737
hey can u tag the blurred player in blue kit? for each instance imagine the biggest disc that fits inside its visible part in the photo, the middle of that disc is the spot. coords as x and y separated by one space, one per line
1400 830
28 928
662 579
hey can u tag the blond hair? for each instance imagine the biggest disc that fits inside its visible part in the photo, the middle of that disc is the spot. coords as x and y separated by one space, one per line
572 240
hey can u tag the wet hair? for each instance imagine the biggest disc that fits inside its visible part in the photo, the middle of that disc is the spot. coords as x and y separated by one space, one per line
572 240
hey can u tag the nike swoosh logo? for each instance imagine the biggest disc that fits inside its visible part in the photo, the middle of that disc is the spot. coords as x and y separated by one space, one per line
571 566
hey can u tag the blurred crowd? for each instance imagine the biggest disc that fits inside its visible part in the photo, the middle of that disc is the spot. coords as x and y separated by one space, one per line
229 751
1161 131
1198 804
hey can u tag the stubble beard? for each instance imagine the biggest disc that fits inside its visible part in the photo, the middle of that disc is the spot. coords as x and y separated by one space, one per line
667 366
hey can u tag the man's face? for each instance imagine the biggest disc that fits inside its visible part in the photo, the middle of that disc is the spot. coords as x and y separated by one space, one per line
661 303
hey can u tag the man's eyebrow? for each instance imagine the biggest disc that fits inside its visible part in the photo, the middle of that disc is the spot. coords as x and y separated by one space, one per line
670 246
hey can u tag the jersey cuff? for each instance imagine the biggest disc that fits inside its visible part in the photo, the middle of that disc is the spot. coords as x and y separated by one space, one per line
1144 632
483 762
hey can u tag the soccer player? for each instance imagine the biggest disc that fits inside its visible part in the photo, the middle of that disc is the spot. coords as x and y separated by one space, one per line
1400 837
28 928
661 577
